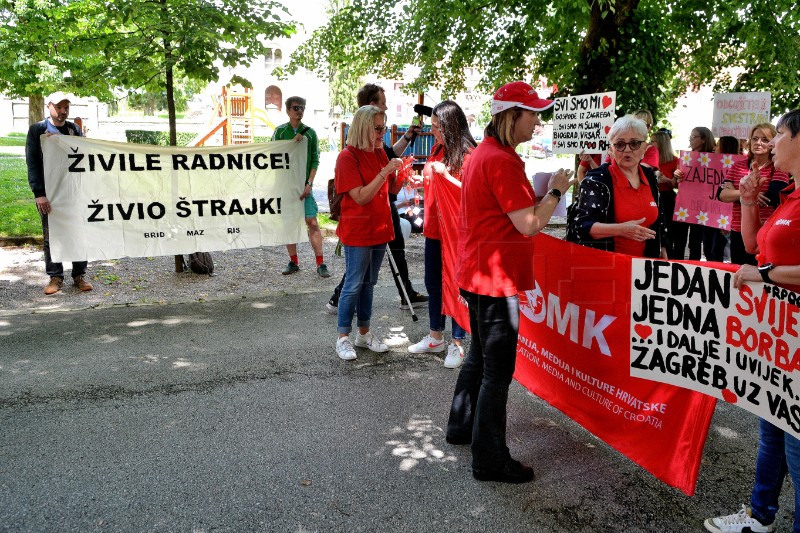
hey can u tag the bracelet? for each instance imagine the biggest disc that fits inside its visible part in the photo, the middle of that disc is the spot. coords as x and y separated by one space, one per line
748 204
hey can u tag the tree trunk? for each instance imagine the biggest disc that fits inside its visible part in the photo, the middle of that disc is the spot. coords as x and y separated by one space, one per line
35 109
173 128
603 34
173 133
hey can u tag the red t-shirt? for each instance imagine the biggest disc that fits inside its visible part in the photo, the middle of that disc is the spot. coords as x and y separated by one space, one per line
735 175
494 258
595 157
632 204
362 225
779 238
651 156
668 169
430 227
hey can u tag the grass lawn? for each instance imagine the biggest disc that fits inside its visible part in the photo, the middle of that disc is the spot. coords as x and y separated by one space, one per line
18 216
13 139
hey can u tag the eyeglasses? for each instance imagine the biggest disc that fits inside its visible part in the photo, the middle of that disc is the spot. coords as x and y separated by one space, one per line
380 129
620 145
298 108
762 140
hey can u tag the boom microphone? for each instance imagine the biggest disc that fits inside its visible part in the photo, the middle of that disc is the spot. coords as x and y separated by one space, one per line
420 109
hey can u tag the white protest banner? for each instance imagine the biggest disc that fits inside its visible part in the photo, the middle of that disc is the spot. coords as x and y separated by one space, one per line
113 200
540 182
736 113
581 123
691 328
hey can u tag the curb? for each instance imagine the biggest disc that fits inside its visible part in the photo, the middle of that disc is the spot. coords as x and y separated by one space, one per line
21 241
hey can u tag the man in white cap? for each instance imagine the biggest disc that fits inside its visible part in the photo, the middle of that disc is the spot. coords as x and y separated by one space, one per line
56 123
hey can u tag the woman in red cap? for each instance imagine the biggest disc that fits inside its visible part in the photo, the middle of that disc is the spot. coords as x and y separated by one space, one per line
498 219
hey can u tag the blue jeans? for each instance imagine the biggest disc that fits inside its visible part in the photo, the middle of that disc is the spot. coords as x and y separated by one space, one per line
362 265
433 284
481 394
777 454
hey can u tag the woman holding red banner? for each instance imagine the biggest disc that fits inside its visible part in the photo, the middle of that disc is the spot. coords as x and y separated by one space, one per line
758 155
498 218
364 175
454 145
618 209
776 244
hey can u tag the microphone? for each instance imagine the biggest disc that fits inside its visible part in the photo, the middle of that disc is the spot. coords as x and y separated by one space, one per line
420 109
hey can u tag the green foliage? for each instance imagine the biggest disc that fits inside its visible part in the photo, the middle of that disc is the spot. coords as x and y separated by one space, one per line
151 102
18 216
158 138
13 139
648 51
143 45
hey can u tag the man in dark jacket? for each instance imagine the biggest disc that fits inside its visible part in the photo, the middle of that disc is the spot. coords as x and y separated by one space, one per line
56 123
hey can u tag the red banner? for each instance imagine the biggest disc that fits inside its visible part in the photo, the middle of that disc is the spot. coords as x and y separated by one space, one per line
574 352
448 203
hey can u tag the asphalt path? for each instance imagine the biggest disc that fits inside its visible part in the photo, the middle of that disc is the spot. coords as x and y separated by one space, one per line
236 416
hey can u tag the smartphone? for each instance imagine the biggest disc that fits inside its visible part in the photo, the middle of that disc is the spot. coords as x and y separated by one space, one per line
416 121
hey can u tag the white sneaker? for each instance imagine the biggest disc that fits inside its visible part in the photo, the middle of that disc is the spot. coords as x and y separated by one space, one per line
455 356
428 345
737 523
331 309
344 349
370 341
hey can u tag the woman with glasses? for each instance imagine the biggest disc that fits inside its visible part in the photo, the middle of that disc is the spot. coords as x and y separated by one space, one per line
364 175
498 217
454 145
618 209
758 158
776 243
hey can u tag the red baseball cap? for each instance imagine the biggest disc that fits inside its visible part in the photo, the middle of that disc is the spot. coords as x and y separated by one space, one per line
518 94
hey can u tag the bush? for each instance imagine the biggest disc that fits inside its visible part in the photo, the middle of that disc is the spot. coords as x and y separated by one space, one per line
158 138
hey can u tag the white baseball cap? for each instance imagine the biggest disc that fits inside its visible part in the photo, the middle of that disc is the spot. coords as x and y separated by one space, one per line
58 97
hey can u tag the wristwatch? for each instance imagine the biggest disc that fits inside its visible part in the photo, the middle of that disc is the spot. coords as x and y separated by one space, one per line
764 271
555 193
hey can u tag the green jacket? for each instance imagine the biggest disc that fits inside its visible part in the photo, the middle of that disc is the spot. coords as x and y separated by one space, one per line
285 132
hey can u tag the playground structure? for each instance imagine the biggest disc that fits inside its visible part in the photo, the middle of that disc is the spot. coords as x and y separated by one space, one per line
236 116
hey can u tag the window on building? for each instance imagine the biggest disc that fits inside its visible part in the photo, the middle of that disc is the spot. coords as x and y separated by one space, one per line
273 57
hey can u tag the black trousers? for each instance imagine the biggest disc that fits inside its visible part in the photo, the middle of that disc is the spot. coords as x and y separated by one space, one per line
481 394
